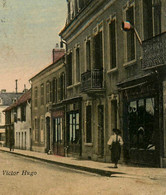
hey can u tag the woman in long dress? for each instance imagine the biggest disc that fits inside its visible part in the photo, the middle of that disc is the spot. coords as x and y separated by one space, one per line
115 142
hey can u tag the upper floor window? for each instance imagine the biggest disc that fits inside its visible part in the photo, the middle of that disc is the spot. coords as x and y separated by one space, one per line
69 69
35 96
42 94
98 50
54 89
151 18
112 35
130 35
48 92
23 113
62 86
77 65
88 55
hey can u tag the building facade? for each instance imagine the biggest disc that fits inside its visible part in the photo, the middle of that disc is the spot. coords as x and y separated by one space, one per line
114 81
6 99
18 122
48 119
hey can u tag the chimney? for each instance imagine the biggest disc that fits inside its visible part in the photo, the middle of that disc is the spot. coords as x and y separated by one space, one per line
57 53
16 85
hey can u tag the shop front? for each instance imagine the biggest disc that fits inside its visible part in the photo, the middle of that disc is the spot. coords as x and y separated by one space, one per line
142 132
73 143
58 132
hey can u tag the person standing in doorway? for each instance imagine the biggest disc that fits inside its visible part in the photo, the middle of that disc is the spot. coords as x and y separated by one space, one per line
115 142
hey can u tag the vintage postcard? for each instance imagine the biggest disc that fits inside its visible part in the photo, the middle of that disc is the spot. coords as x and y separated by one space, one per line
83 97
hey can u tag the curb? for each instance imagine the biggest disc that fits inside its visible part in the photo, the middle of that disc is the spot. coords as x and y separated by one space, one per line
77 167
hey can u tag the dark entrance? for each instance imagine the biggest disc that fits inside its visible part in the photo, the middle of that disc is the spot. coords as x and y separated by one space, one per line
73 132
101 130
58 136
142 131
48 133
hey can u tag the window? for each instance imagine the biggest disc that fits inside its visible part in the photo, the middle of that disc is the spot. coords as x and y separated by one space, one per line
151 18
77 65
141 123
88 125
62 86
36 129
35 98
23 113
98 49
58 130
1 102
112 30
48 92
69 69
73 136
54 86
130 35
42 94
42 130
114 114
88 55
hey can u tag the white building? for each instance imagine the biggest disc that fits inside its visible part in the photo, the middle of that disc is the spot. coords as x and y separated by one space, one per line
21 119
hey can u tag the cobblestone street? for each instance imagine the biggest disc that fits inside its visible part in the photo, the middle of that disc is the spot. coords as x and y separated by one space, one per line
23 176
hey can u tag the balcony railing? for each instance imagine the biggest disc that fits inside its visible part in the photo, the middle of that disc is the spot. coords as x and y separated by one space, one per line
92 80
154 52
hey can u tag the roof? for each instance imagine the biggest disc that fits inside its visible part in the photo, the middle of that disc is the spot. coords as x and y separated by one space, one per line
60 56
8 97
24 98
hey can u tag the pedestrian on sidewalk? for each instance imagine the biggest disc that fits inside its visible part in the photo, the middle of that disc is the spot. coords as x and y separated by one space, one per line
11 144
115 142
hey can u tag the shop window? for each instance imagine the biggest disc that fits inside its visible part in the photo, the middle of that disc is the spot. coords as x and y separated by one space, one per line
36 130
73 128
130 35
151 18
58 130
77 65
88 125
42 129
42 94
112 30
69 69
98 50
141 123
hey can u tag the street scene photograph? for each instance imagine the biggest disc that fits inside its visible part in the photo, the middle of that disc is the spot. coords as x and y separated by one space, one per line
83 97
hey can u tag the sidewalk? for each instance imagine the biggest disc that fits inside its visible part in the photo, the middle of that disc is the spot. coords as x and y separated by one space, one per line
104 169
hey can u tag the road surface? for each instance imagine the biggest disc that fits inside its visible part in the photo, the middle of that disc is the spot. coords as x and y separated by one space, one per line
23 176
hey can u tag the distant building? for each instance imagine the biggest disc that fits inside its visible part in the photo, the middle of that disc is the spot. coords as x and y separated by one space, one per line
20 121
6 99
48 92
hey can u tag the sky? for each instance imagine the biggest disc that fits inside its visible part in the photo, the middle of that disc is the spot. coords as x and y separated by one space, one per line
28 32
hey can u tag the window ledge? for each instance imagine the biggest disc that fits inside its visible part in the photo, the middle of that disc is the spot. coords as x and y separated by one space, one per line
70 87
88 144
77 84
112 70
130 63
